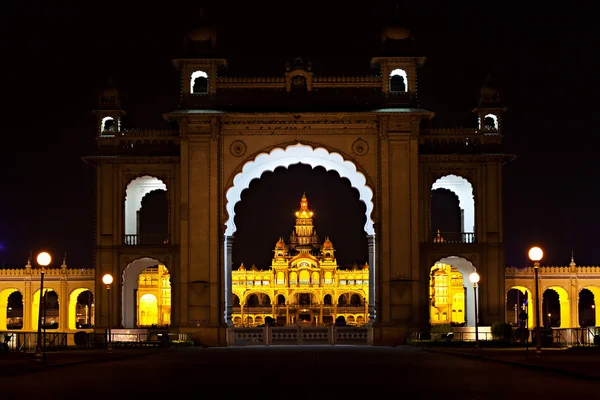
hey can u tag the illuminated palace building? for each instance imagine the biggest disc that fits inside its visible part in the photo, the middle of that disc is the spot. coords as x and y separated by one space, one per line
303 285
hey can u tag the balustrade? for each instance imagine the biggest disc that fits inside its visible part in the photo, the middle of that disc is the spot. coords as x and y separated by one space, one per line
453 237
148 239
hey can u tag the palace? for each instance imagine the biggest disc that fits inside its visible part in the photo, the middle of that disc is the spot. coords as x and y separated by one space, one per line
304 284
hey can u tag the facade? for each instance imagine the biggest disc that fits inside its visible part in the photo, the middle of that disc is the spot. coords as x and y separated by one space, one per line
567 282
369 128
303 285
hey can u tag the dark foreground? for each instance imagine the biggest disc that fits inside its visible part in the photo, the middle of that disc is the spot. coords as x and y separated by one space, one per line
318 372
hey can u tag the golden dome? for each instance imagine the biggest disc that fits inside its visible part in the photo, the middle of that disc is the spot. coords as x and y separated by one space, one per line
366 266
242 268
327 243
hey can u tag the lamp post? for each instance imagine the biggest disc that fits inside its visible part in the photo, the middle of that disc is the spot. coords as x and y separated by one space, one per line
43 259
474 278
108 279
535 255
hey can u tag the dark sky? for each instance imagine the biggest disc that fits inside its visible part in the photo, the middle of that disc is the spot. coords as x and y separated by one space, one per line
56 59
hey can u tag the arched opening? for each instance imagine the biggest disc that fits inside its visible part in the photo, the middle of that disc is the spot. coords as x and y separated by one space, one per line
519 300
302 155
154 215
490 123
450 289
50 307
154 296
398 81
555 308
589 314
327 300
252 301
11 309
280 300
141 277
81 309
446 295
199 82
463 189
446 215
107 125
236 300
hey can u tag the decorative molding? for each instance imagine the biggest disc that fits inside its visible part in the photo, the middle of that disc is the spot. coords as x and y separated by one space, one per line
360 147
238 148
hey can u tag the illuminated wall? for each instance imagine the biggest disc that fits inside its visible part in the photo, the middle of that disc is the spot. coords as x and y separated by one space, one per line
154 297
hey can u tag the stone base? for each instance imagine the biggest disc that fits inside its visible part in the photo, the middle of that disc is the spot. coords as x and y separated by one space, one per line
392 335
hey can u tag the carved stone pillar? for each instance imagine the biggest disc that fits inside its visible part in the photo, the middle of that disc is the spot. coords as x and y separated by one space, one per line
372 277
228 261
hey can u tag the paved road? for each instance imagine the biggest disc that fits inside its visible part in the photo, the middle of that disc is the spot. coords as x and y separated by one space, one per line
297 372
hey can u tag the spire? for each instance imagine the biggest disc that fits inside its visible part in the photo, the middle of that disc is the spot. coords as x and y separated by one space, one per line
572 264
64 263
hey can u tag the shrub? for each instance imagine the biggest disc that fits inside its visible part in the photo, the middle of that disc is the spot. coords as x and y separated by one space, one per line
501 331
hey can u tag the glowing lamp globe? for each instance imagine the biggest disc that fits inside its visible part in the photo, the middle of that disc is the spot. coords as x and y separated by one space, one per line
44 259
535 254
474 277
107 279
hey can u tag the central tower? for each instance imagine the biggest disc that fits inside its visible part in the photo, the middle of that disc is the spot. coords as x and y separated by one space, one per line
304 238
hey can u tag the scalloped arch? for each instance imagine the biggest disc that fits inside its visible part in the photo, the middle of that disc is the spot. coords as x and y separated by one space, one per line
294 154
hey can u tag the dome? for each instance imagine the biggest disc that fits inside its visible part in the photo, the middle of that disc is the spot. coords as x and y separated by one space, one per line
327 244
242 268
366 266
203 34
280 244
395 32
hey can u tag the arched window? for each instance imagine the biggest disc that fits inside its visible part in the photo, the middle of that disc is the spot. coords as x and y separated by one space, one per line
199 82
398 81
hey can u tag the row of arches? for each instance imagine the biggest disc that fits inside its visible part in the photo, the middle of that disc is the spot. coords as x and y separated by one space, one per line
452 216
264 300
19 313
557 308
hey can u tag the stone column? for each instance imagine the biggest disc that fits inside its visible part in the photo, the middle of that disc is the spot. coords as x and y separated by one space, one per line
228 265
372 277
28 307
63 306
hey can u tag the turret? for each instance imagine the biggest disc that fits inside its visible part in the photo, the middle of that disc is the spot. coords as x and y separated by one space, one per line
304 226
199 65
489 109
109 112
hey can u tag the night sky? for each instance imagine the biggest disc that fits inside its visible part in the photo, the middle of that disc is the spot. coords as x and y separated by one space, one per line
56 60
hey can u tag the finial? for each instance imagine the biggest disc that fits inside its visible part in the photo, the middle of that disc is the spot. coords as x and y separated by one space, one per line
572 259
30 257
65 259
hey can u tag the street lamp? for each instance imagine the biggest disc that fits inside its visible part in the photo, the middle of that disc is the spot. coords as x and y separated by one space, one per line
43 259
535 255
474 278
108 279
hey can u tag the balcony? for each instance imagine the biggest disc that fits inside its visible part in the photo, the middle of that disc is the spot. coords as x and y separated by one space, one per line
146 240
453 237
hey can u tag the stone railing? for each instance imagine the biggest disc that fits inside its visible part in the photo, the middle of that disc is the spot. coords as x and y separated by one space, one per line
554 270
458 131
26 271
140 133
